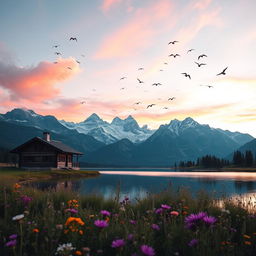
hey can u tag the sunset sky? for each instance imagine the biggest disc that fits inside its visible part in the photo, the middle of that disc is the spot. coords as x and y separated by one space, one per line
117 37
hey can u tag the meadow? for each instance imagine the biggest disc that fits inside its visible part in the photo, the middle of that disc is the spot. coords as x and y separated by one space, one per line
34 222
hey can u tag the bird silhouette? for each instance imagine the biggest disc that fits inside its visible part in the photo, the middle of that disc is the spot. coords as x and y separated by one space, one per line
82 102
161 70
55 62
122 88
140 81
122 78
137 103
223 72
172 98
69 68
140 68
57 53
73 38
83 55
174 55
190 50
200 64
201 56
78 61
165 108
209 86
55 46
186 75
165 63
151 105
173 42
156 84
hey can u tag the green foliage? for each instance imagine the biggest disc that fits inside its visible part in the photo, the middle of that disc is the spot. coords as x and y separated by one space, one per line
43 227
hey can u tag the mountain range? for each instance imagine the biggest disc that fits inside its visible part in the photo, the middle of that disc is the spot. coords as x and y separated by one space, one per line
123 142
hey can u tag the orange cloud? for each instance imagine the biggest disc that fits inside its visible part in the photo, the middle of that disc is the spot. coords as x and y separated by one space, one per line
36 83
108 4
138 33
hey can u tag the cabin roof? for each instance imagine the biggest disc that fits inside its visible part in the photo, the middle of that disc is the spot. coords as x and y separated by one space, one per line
58 145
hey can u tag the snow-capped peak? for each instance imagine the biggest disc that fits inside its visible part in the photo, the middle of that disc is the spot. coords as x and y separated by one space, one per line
177 126
93 118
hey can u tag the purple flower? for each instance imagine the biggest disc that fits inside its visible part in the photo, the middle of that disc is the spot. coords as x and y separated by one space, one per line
105 213
133 222
26 199
193 243
13 236
155 227
130 237
165 206
101 223
209 220
118 243
72 210
147 250
159 210
11 243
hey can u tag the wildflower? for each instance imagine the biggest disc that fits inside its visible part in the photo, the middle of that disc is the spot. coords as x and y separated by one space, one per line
247 242
147 250
174 213
36 230
59 226
13 236
246 236
64 249
26 199
155 227
209 220
193 243
118 243
159 210
165 206
130 237
185 207
78 253
16 186
71 220
86 249
101 223
105 213
71 210
73 203
18 217
134 222
91 216
194 220
11 243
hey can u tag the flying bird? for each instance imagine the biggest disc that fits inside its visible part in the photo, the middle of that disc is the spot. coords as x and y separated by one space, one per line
173 42
201 56
83 55
140 81
174 55
223 72
55 62
200 64
69 68
156 84
78 62
57 53
190 50
165 63
122 78
55 46
209 86
172 98
137 103
122 88
165 108
82 102
73 38
186 75
151 105
161 70
140 68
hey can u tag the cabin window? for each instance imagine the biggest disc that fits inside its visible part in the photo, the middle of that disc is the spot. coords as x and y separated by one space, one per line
69 158
61 158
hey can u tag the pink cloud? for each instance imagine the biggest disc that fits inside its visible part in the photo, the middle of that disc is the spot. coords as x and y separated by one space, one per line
36 83
201 4
139 32
108 4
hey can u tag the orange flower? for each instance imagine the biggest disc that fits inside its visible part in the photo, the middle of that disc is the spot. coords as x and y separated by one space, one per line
246 236
72 220
184 213
36 230
78 253
174 213
247 242
16 186
65 231
185 207
81 232
107 219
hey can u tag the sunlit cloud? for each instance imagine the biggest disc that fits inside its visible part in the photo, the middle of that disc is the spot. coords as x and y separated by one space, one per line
108 4
36 83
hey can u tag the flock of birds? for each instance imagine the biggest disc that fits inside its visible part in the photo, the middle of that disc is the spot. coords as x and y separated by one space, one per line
185 74
174 55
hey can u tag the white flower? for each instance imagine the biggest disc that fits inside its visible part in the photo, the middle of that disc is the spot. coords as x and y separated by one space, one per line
63 249
18 217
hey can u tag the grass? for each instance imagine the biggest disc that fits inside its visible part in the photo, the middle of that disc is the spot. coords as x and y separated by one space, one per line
11 175
47 224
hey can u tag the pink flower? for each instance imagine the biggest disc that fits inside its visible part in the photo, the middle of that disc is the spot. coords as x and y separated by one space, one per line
147 250
155 227
71 210
174 213
11 243
105 213
159 210
134 222
101 223
118 243
165 206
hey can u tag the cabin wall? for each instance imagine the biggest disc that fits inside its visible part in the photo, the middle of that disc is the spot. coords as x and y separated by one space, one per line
64 161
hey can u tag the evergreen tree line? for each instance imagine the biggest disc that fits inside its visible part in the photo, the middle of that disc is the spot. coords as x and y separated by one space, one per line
208 161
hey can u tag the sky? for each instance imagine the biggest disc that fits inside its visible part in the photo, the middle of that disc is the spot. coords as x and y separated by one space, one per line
130 38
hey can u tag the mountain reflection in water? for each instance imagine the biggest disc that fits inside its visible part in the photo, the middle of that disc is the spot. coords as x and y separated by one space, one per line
137 184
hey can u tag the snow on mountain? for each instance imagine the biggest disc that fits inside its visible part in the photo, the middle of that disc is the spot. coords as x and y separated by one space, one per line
111 132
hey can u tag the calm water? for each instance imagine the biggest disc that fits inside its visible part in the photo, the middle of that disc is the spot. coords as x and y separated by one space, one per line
137 183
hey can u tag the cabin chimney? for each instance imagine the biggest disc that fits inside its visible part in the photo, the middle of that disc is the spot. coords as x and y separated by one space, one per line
46 136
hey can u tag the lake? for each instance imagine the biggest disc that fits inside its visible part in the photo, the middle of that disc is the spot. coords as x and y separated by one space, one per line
137 183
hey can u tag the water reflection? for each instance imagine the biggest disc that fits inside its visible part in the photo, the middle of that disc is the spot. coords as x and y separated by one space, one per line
138 184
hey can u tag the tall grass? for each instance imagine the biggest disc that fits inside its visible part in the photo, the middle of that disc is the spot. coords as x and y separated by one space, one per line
42 229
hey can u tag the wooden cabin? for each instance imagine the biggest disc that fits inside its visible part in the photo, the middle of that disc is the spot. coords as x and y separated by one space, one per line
44 153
